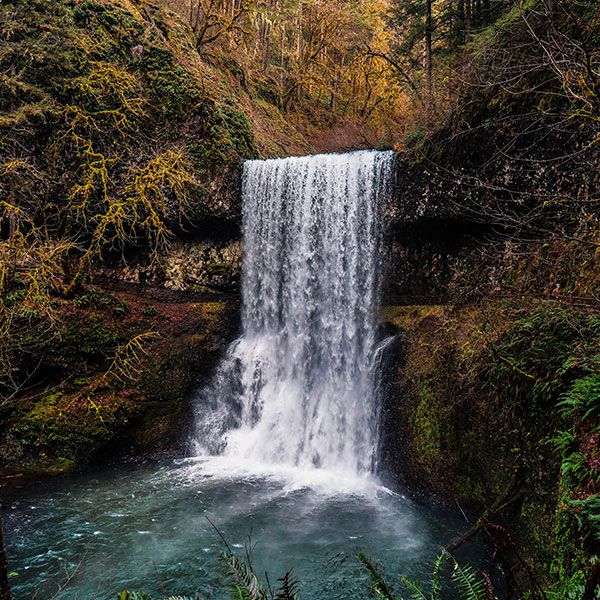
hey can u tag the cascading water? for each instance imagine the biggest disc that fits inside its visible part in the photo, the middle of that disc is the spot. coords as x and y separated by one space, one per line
299 387
297 390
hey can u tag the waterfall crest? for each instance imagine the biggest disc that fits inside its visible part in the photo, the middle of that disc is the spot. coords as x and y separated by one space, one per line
299 387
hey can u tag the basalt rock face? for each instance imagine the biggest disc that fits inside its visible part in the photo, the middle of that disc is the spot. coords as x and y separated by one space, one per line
484 177
459 210
433 262
490 290
186 266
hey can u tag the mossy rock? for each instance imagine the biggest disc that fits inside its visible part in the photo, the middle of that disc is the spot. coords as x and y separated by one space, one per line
476 393
85 414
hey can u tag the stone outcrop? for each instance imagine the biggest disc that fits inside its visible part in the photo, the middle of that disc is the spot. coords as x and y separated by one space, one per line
187 266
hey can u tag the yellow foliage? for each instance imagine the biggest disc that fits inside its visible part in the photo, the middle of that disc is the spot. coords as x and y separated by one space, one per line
126 363
153 193
29 265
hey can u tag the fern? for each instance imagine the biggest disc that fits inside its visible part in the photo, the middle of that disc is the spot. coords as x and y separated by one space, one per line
466 580
288 589
582 397
246 584
469 584
378 584
437 567
414 588
588 516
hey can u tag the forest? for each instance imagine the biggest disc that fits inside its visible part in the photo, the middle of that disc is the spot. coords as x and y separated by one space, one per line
166 289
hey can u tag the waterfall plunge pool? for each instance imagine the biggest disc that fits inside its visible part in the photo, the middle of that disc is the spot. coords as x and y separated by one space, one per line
107 530
300 387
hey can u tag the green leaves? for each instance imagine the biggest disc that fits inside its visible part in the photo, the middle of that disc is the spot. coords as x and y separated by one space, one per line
414 588
470 585
126 595
378 584
247 586
583 398
587 512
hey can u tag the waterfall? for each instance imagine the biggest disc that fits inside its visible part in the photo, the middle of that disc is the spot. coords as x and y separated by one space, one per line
299 387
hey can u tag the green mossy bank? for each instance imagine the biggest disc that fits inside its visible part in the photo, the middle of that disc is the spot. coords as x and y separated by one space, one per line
116 380
494 406
110 87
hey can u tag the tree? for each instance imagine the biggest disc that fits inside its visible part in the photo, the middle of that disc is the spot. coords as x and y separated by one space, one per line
213 19
78 177
4 587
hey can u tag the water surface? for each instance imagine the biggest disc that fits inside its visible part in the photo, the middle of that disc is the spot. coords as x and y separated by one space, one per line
107 530
287 433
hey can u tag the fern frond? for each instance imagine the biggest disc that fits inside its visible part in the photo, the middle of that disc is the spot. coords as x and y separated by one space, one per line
288 590
414 588
443 556
469 584
246 585
378 584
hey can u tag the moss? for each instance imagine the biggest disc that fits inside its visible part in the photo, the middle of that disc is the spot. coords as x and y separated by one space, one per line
211 312
219 269
228 136
479 389
85 414
426 429
120 81
45 466
409 317
59 429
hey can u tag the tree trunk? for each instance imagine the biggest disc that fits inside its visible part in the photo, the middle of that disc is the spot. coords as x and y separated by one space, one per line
477 17
4 587
299 37
12 197
197 19
460 22
282 47
592 583
468 15
333 93
267 46
486 14
428 35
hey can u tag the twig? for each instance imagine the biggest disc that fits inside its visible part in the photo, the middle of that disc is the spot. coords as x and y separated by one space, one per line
499 505
69 576
461 510
162 587
220 535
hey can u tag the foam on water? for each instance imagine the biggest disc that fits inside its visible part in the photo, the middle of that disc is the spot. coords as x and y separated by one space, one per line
321 483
